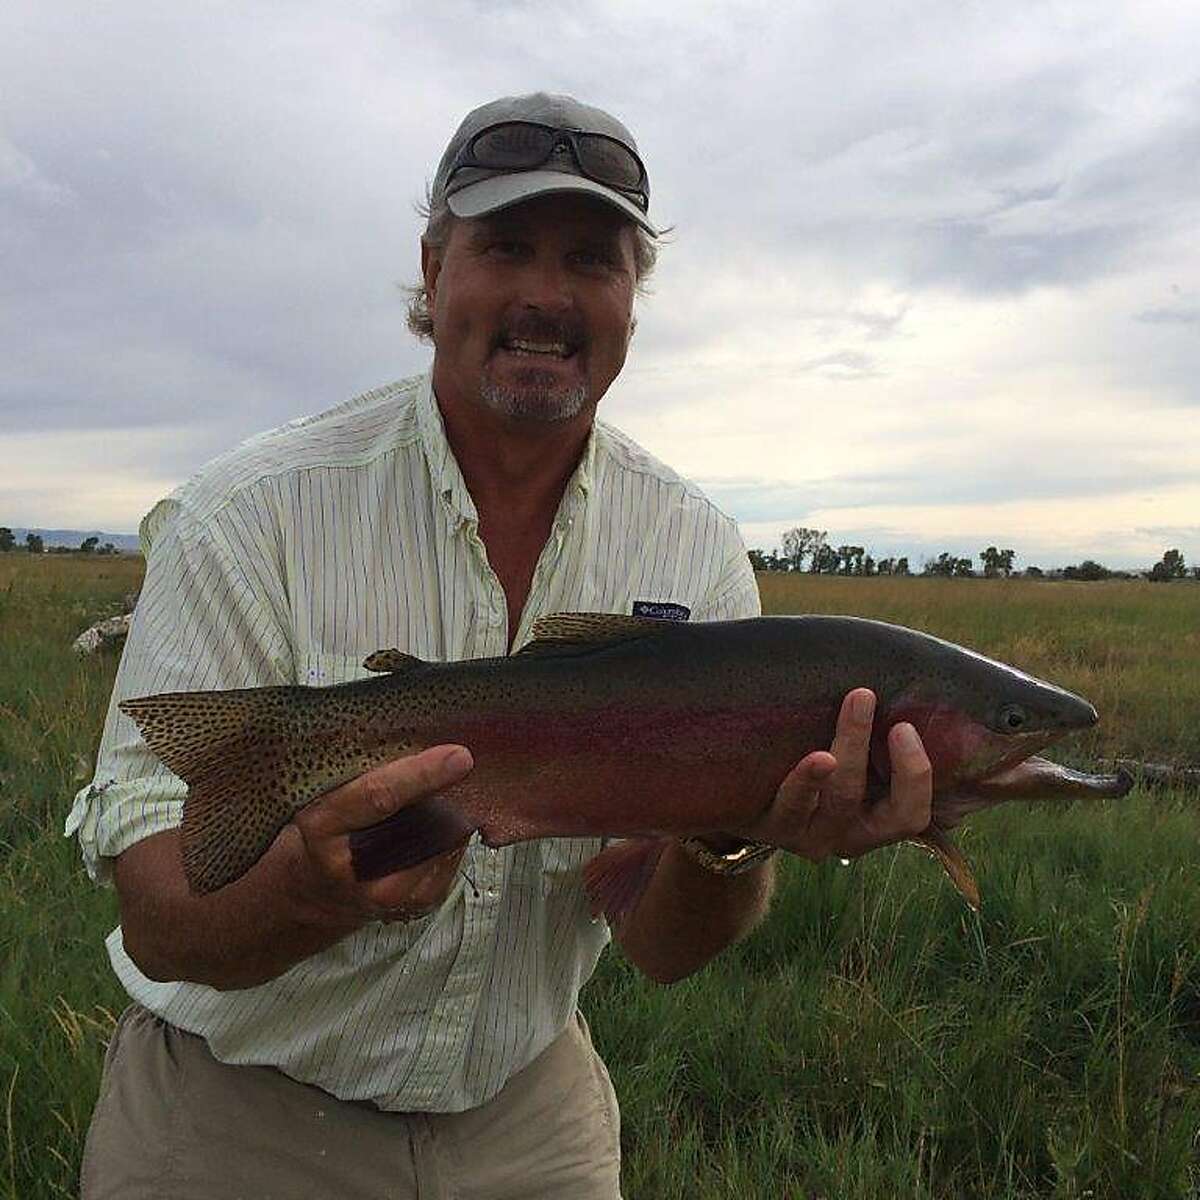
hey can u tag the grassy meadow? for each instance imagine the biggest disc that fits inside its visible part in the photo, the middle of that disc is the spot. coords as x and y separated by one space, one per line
872 1039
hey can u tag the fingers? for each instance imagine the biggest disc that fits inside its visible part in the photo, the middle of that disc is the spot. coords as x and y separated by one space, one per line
326 879
799 792
907 808
370 798
822 808
798 802
852 745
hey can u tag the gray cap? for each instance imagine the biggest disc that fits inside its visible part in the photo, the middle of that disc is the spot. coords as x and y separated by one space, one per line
475 191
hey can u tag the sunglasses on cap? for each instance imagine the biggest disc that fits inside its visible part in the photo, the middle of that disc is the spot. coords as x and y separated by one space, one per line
524 145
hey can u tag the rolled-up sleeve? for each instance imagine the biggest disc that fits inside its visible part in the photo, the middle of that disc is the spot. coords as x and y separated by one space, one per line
212 615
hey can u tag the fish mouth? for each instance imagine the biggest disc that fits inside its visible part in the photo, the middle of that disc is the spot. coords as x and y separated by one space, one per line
1037 778
1033 778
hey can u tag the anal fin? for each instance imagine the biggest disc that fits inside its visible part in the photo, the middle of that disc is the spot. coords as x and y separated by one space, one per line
937 842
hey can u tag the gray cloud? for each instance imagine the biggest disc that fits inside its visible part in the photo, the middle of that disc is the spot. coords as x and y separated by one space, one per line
946 482
1169 316
213 249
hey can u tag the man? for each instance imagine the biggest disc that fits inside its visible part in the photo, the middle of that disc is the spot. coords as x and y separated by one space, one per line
299 1033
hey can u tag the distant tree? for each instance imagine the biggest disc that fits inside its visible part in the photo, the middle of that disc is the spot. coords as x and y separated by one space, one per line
1088 570
799 544
997 562
855 560
1196 572
1034 573
817 550
885 566
850 559
34 544
89 544
947 564
901 567
824 560
7 541
108 548
761 561
1170 566
868 566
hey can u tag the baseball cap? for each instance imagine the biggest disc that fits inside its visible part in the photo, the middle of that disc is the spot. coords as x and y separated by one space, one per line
472 190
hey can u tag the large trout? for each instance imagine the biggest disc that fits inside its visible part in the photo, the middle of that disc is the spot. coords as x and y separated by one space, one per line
626 727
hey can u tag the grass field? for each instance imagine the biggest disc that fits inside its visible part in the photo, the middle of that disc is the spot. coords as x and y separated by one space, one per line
872 1039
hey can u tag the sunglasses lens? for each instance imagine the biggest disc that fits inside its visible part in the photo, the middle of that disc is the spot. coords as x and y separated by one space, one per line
513 146
609 161
522 146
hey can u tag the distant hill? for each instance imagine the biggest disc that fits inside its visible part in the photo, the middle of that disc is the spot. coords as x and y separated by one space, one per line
126 542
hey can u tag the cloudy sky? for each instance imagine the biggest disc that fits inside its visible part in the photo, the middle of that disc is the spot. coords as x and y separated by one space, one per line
934 281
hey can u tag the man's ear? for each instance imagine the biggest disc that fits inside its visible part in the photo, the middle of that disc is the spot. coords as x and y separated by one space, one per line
431 268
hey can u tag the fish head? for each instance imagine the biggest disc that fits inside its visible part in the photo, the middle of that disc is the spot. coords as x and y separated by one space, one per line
977 718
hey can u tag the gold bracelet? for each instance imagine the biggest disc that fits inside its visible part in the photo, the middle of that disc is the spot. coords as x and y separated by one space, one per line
743 857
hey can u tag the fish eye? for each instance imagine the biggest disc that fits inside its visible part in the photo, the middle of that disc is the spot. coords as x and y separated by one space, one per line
1013 718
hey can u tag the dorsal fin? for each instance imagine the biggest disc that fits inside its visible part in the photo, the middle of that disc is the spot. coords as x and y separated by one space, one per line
395 661
564 633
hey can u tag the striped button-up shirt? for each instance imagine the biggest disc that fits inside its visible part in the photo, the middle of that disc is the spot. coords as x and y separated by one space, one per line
289 560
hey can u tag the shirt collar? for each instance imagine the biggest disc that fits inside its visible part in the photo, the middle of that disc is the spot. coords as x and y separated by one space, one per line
447 478
444 470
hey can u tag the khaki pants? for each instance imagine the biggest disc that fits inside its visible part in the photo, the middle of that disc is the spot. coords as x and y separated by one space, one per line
173 1123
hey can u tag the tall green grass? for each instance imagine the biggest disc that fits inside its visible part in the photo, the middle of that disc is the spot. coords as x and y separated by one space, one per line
872 1039
57 994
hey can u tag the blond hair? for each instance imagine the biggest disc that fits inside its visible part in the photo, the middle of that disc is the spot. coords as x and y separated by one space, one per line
439 221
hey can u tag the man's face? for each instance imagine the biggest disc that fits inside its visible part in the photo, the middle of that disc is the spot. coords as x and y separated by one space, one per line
532 306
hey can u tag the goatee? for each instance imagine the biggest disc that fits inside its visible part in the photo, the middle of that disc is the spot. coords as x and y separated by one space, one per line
538 400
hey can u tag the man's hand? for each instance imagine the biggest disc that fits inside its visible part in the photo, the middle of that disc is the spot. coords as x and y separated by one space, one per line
324 873
821 807
298 899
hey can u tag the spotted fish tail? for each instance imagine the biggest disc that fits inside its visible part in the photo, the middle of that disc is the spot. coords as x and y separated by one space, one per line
241 754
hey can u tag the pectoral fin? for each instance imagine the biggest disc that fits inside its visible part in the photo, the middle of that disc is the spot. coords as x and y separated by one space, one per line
616 878
937 842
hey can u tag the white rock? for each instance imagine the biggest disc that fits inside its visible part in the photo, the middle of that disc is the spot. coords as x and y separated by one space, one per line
103 633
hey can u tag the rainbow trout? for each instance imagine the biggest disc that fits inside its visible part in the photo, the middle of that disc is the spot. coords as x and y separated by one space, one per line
626 727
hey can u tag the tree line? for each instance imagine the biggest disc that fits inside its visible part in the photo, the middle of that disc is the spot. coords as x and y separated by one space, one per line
808 550
35 544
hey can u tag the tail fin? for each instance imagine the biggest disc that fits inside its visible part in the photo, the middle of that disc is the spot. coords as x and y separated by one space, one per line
242 755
